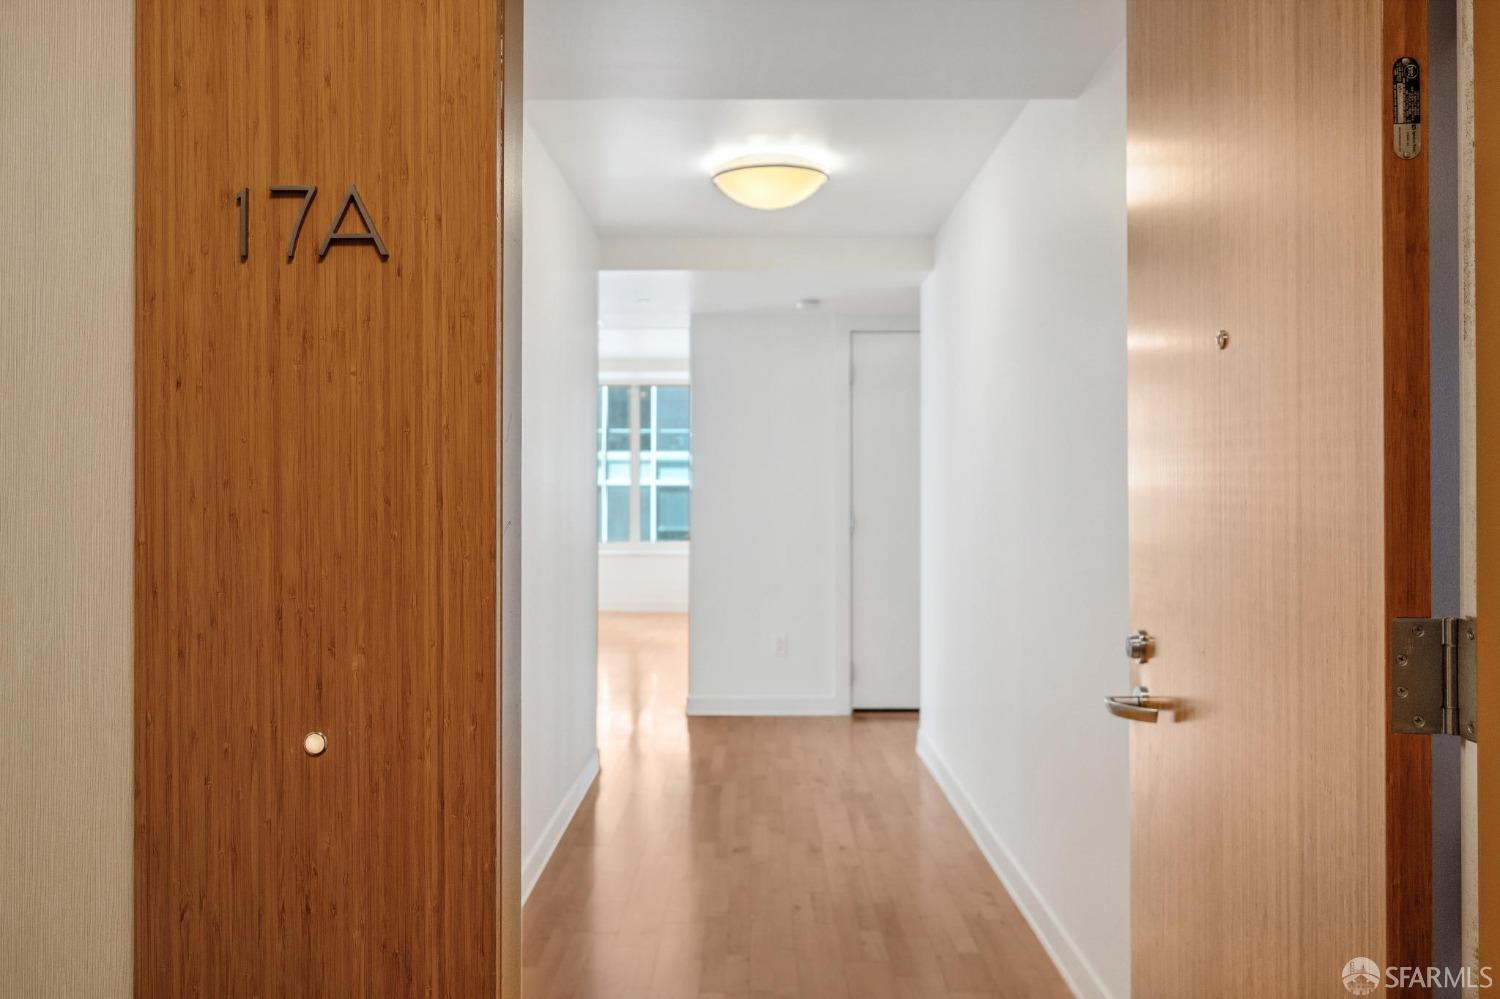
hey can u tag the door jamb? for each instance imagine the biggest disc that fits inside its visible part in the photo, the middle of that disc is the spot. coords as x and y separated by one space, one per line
1408 506
507 438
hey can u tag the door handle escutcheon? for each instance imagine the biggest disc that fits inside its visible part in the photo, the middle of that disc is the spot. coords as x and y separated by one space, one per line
1138 705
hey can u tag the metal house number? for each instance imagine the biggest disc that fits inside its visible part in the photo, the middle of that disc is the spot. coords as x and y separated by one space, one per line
307 192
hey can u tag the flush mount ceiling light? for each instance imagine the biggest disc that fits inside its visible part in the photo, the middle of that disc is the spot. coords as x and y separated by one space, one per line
769 183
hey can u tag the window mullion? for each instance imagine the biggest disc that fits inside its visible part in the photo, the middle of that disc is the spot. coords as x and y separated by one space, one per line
635 463
655 461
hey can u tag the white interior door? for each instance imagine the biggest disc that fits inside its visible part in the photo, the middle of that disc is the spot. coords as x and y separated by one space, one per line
884 492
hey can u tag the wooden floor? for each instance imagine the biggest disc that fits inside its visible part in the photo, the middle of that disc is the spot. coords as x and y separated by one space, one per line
808 857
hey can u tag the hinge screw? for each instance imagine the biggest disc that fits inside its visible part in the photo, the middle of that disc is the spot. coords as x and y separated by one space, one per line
1222 339
1402 691
1400 659
1417 631
1469 728
1470 633
1419 722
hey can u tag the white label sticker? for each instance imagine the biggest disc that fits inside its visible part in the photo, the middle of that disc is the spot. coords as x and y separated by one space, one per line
1406 107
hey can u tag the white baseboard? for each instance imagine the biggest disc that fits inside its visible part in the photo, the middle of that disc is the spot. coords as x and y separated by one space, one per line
772 706
1070 960
541 852
643 607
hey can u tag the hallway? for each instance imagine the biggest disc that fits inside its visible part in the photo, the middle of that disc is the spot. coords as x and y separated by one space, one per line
763 857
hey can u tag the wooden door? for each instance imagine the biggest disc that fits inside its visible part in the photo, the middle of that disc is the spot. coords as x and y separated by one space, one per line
316 500
1483 257
1278 494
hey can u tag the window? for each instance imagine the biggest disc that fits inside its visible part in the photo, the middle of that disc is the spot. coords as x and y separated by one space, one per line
645 463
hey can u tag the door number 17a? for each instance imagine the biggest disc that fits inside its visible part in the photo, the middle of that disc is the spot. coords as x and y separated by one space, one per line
307 192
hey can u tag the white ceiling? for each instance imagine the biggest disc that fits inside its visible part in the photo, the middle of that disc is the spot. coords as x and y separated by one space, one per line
814 49
895 167
901 100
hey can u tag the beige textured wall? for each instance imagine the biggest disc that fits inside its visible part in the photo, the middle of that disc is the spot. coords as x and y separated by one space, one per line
66 168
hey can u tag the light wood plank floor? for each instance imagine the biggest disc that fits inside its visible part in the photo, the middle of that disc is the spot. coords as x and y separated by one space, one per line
809 857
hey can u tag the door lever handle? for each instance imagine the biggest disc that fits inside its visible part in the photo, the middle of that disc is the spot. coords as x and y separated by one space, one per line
1138 705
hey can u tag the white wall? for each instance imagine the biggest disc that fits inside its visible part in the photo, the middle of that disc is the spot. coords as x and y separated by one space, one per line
559 350
770 401
654 582
1024 565
66 546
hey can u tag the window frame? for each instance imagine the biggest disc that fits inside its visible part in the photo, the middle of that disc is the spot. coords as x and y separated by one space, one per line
636 382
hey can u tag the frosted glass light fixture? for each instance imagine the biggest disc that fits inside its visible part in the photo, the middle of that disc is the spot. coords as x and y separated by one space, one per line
769 183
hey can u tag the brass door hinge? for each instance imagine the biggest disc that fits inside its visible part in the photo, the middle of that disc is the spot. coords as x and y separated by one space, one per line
1434 676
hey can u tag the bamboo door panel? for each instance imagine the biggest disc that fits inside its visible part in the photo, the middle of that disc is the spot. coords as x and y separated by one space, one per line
1260 498
316 499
